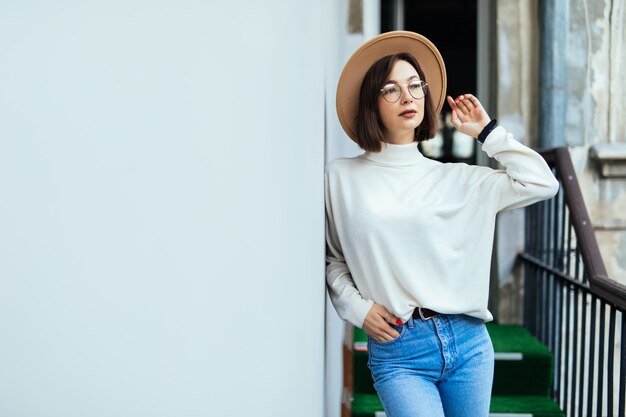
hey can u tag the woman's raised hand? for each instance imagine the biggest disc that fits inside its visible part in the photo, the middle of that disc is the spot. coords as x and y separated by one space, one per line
379 324
468 115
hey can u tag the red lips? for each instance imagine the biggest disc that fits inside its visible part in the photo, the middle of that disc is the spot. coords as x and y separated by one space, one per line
408 112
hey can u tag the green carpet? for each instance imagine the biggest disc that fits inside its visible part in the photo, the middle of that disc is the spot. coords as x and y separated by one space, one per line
366 405
537 406
523 364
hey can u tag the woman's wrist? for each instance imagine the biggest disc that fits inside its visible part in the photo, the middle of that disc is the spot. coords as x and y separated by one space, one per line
487 130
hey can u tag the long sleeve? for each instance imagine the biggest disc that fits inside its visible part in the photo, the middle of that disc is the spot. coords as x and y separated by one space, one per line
526 177
344 294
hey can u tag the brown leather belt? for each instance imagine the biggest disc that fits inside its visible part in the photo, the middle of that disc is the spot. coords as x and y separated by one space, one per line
424 313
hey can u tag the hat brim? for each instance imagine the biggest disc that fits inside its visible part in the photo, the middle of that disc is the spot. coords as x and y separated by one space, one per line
362 59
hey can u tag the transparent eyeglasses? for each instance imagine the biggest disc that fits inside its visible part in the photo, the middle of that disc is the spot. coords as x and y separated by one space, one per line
392 92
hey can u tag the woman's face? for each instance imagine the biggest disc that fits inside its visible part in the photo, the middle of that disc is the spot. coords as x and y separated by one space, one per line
402 117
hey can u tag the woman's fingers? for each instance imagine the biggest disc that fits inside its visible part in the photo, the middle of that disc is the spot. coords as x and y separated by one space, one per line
379 324
456 104
463 104
451 103
385 331
473 100
455 116
391 319
456 120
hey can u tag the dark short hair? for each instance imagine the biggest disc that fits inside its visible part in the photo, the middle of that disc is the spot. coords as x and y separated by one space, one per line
368 124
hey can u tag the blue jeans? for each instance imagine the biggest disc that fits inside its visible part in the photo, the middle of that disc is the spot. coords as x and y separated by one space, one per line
435 368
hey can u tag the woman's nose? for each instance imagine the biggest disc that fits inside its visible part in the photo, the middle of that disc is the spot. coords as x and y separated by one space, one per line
405 96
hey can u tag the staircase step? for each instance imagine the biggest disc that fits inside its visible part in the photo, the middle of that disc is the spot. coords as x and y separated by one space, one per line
523 364
524 406
369 405
366 405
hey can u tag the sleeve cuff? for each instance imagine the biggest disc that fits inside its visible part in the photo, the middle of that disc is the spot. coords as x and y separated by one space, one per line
360 312
487 130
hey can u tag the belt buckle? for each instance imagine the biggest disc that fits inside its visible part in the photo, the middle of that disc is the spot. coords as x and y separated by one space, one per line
422 314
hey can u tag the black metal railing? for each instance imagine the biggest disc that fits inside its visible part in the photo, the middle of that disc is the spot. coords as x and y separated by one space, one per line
570 304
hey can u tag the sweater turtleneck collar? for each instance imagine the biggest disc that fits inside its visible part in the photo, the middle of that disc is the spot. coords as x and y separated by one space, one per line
392 154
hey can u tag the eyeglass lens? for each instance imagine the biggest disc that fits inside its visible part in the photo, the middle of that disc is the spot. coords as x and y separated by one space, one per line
392 92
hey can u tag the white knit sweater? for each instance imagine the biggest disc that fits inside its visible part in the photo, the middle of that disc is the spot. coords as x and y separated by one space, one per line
405 231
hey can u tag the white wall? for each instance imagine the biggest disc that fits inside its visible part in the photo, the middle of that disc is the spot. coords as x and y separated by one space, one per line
161 208
337 144
340 46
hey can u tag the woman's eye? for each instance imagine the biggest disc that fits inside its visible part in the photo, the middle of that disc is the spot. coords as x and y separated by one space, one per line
390 90
415 86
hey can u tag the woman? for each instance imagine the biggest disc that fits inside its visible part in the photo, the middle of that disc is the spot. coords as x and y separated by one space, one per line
409 239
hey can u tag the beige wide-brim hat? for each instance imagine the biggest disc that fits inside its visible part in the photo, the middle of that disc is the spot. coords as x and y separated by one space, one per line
362 59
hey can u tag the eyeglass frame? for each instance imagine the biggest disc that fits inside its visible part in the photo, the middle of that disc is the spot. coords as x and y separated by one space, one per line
423 84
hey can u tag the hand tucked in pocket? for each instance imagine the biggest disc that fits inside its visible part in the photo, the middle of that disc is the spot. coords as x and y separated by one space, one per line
379 324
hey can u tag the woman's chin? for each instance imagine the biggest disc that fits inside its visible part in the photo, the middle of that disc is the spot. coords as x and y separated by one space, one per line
409 125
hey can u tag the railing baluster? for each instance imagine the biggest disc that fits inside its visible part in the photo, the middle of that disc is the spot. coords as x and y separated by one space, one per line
549 308
610 362
555 229
562 221
545 220
555 310
539 241
570 226
537 232
566 385
528 228
536 305
526 299
622 372
574 350
551 311
577 265
583 337
592 344
600 399
542 309
558 341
